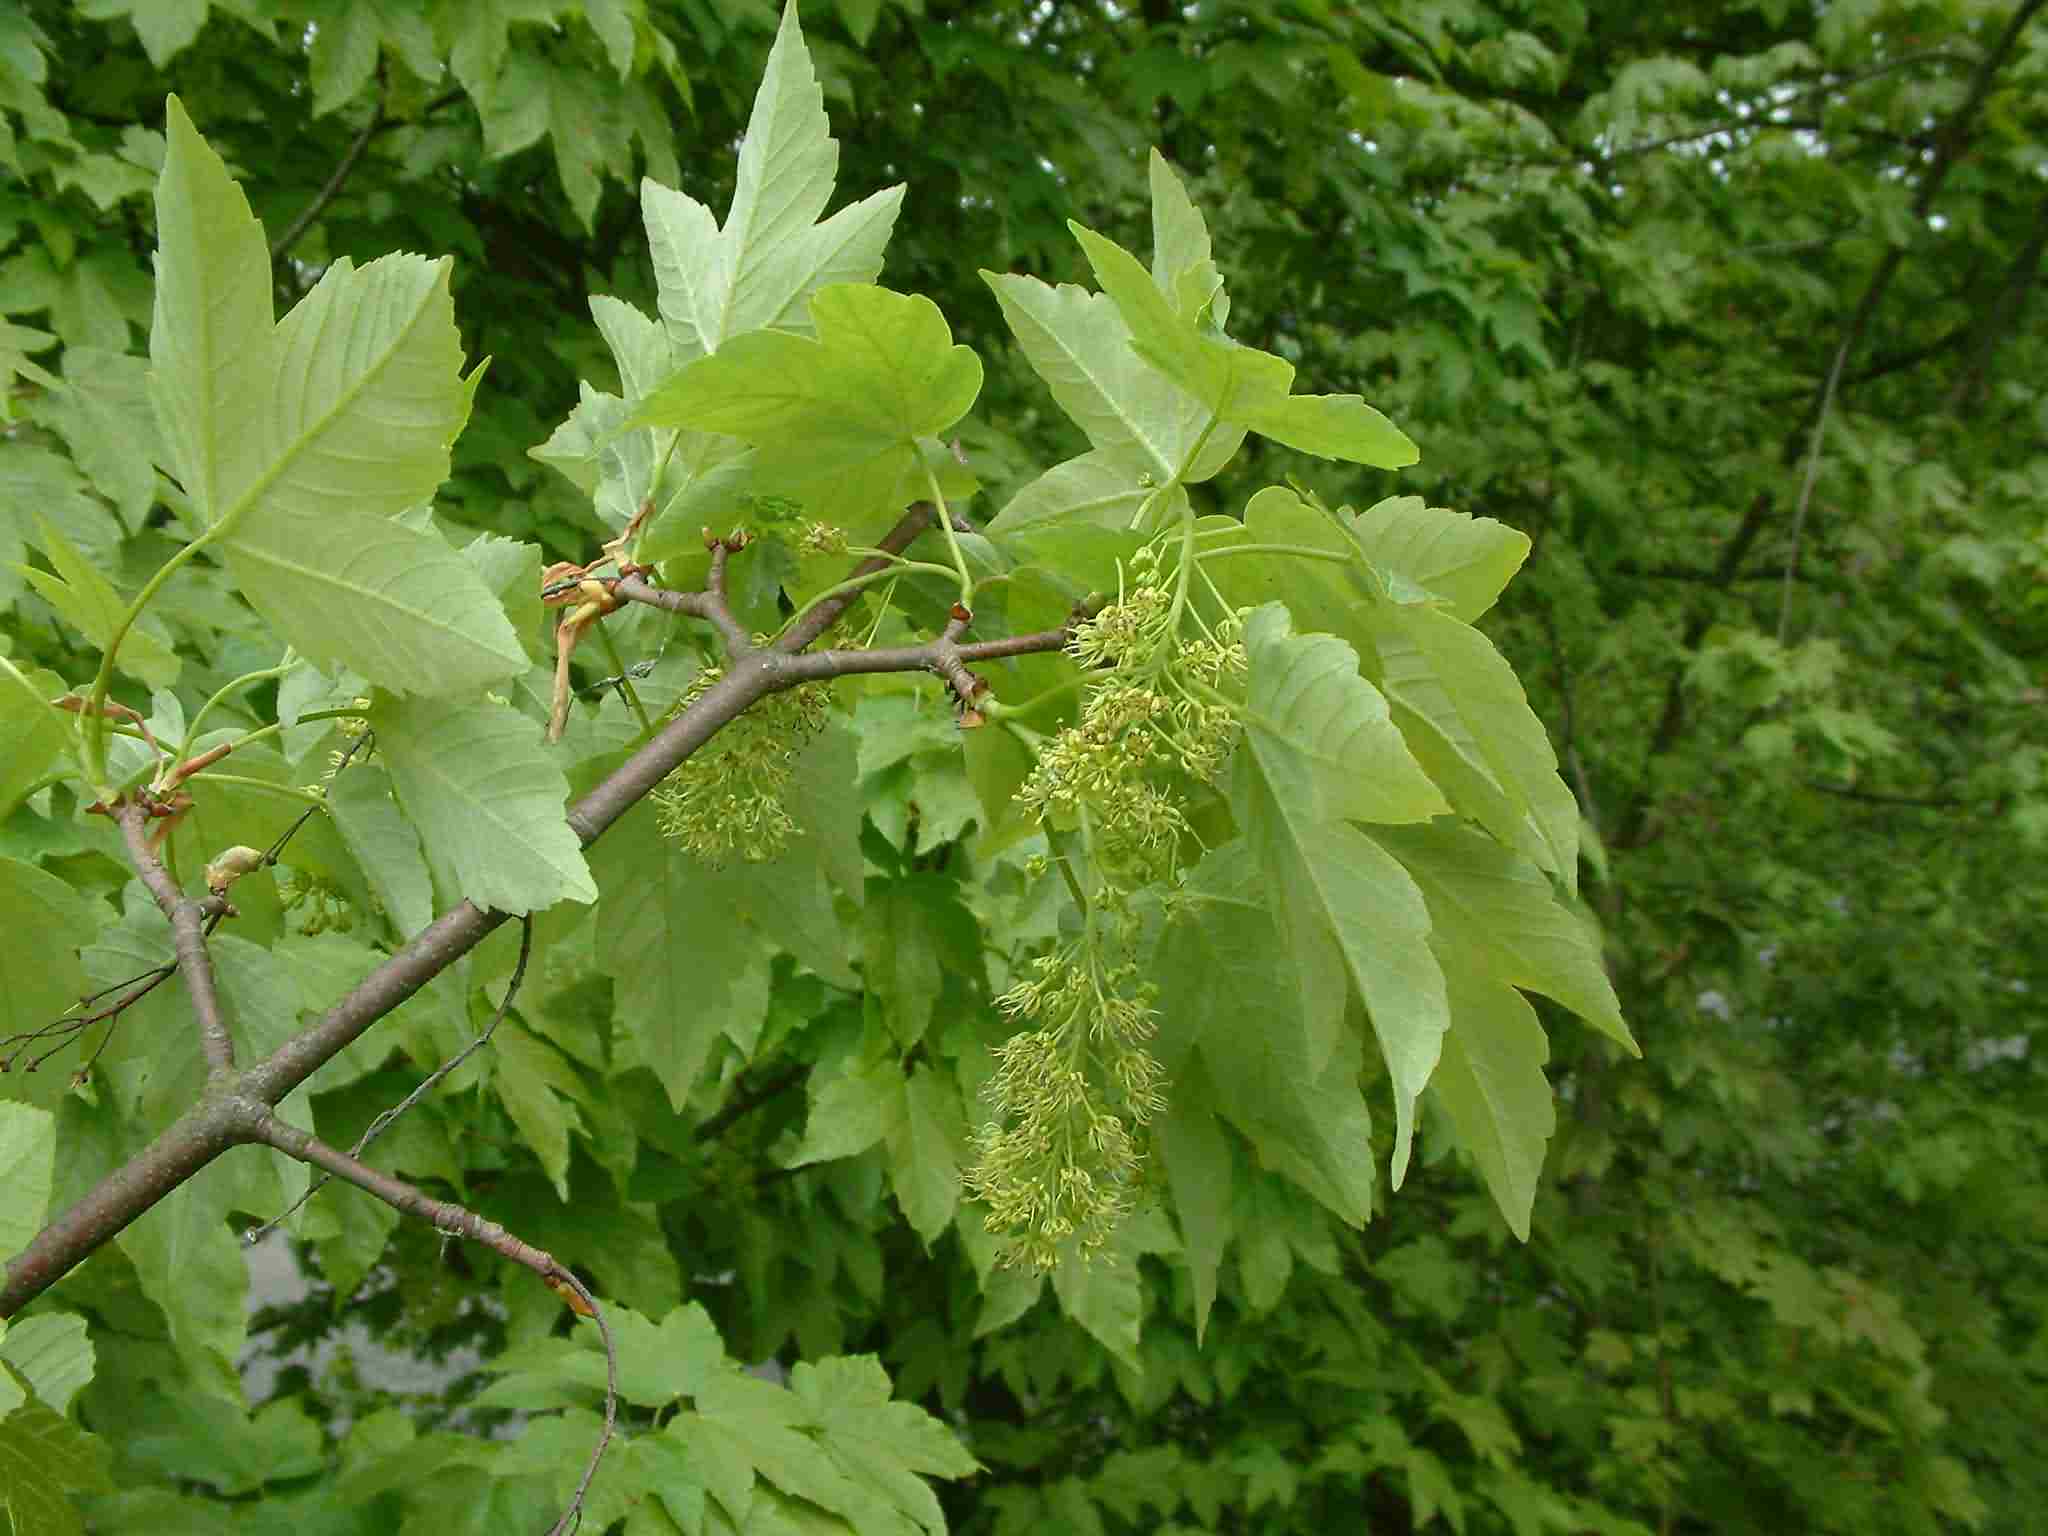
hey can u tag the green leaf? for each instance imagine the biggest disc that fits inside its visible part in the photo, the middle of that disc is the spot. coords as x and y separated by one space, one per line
659 1364
47 923
487 800
32 734
210 343
1343 902
844 411
1490 1081
1228 996
212 1441
1322 734
1239 384
52 1352
538 1089
772 255
927 1143
912 931
742 1422
1496 913
165 27
28 1146
374 829
667 929
88 600
1198 1162
103 413
190 1264
850 1113
1465 560
889 1447
44 1459
1470 726
1139 420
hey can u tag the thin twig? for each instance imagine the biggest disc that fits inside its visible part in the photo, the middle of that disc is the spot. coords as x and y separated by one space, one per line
186 915
440 1074
326 194
573 1515
452 1220
821 618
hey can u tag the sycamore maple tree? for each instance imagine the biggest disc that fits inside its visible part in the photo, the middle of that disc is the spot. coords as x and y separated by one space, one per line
1257 799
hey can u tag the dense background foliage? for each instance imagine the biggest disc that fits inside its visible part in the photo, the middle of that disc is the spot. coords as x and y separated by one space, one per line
1734 310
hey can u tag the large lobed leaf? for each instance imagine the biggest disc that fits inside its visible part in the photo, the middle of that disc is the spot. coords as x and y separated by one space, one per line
298 443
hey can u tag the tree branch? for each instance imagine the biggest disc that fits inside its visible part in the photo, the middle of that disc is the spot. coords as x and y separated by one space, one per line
807 629
446 1217
186 917
326 194
226 1116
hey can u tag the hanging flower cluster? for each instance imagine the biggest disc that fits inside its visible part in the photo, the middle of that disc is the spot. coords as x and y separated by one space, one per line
726 798
1062 1155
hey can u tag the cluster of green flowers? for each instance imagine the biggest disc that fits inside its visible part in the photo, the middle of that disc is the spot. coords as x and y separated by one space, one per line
1062 1157
821 539
726 797
1162 700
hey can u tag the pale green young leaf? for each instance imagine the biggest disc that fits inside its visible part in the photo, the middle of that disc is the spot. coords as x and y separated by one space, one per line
1333 427
1097 489
1338 895
839 418
44 1460
667 931
88 600
1180 245
772 254
926 1147
878 1443
210 343
46 923
1229 993
1496 912
639 345
882 372
369 357
1226 378
1322 734
32 734
740 1419
1240 384
53 1352
1321 595
1491 1083
28 1146
1463 559
1470 726
1139 420
486 798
